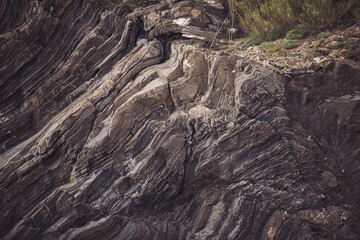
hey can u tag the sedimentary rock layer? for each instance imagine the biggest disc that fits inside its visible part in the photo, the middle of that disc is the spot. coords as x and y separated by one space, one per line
113 126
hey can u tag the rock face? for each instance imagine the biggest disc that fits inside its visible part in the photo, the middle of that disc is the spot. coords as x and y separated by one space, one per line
113 126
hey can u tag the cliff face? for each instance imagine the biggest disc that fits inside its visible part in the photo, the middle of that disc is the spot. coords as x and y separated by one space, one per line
113 126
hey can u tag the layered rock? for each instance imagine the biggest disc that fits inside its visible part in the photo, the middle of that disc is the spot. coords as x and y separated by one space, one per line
114 127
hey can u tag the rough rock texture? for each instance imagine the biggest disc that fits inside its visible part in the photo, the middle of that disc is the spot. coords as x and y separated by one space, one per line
112 126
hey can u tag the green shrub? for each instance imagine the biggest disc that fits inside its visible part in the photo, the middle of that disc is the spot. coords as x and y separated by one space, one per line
232 48
340 27
277 50
352 54
267 45
290 44
324 35
295 34
254 40
273 36
339 45
286 66
309 56
350 43
352 47
337 54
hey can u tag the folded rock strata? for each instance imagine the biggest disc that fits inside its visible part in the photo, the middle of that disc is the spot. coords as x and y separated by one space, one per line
113 126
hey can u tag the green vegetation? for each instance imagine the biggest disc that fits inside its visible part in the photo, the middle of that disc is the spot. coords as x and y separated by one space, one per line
254 40
269 20
290 44
276 50
295 34
324 35
351 54
267 45
264 17
310 56
352 49
286 66
350 43
274 36
339 45
232 48
200 1
336 54
340 27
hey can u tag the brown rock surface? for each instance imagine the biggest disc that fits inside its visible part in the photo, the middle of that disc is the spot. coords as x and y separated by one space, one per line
113 126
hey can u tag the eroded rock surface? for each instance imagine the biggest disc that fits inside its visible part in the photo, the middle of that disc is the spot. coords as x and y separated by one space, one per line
113 126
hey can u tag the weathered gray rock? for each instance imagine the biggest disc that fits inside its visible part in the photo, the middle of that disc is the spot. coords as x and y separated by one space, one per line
114 127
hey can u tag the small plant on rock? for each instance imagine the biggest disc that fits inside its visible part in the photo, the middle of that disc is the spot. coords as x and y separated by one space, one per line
351 54
339 45
340 27
274 36
295 34
277 50
267 45
352 47
289 44
310 56
324 35
232 48
254 40
350 43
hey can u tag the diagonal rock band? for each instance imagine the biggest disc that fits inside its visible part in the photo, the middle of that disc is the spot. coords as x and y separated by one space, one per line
114 125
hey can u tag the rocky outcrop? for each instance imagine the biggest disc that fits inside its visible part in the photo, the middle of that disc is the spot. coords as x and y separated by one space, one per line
113 126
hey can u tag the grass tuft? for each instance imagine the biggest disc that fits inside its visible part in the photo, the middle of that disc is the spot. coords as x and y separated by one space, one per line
352 47
253 40
232 48
276 50
295 34
267 45
289 44
274 36
324 35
